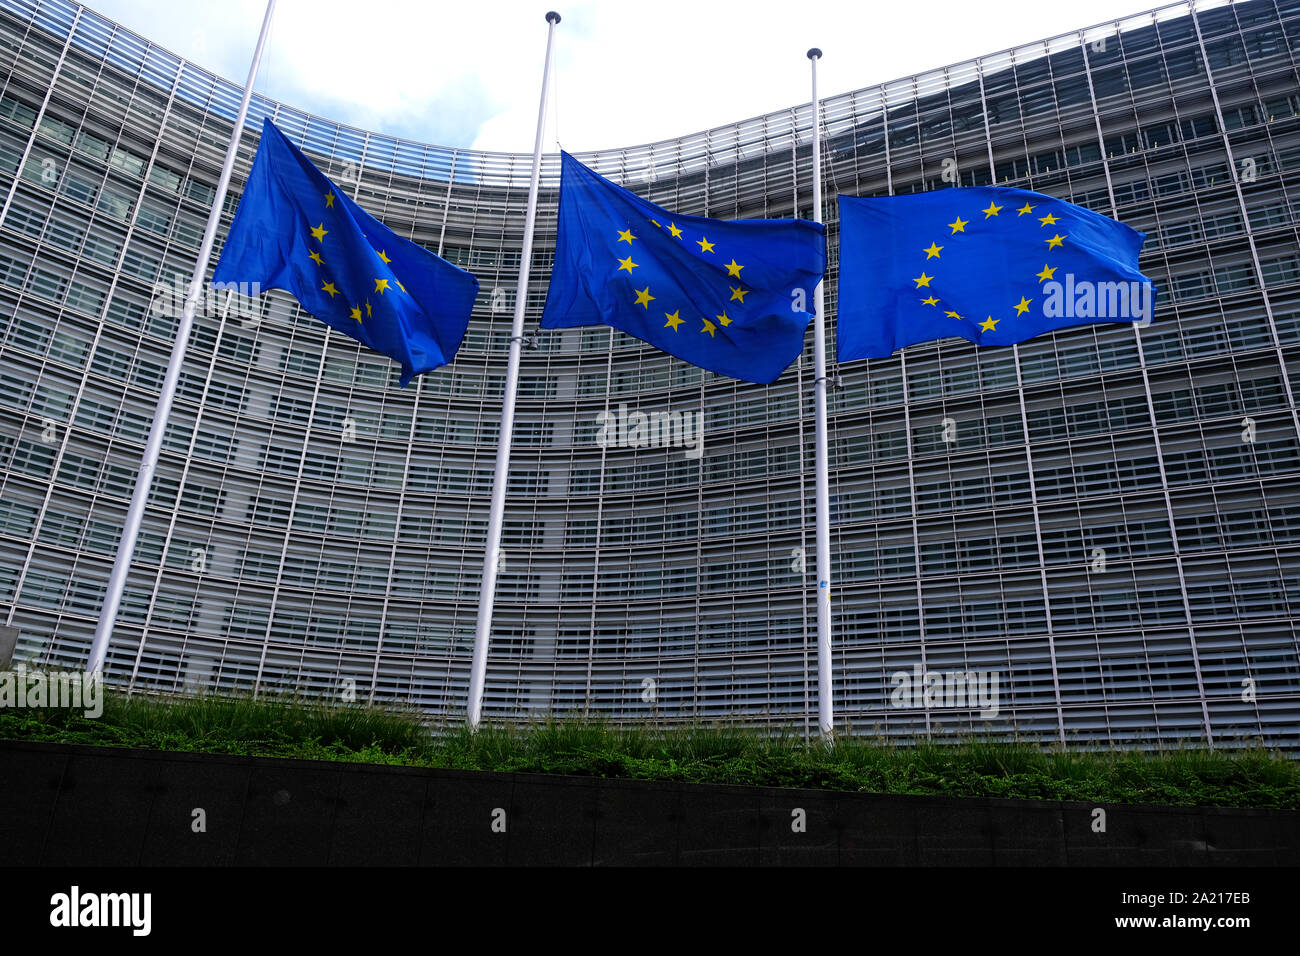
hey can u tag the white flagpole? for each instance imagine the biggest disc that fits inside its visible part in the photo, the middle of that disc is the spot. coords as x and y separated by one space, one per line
487 592
825 705
143 481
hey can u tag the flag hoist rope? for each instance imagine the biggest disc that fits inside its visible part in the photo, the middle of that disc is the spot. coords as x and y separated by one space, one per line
825 709
491 556
153 445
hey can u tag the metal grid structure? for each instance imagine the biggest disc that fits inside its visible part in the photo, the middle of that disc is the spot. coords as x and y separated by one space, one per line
1104 529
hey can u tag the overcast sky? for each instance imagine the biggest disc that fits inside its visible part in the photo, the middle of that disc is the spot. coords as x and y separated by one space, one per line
468 73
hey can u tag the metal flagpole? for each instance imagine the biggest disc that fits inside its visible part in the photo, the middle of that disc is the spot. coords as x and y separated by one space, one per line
487 592
825 706
143 481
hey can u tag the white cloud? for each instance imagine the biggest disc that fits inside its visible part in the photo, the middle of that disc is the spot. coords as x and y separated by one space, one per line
469 74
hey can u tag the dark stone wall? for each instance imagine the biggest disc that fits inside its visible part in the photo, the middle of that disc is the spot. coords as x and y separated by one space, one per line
79 806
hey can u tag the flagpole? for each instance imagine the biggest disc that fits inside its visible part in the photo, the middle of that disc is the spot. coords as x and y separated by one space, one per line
487 591
825 708
143 481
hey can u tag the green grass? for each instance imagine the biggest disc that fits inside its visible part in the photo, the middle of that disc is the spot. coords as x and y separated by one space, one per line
699 754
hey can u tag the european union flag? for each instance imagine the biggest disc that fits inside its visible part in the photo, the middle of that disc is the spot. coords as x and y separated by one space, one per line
295 230
731 297
992 265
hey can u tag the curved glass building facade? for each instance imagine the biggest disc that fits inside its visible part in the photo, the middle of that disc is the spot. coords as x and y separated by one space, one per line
1107 518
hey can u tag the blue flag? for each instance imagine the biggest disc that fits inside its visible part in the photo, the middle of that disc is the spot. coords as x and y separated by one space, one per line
992 265
295 230
730 297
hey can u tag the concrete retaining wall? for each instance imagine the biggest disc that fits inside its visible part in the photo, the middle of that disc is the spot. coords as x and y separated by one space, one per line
78 806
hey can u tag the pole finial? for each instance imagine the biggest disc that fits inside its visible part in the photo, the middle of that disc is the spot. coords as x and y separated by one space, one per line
814 54
552 17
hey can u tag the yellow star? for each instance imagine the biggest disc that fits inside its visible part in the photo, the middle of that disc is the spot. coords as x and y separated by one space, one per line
399 283
958 226
1055 241
705 245
709 327
1023 306
329 287
674 320
329 200
656 224
933 251
369 311
315 257
384 256
355 313
738 293
1048 220
625 235
1047 273
930 301
381 285
733 269
320 232
952 315
1024 209
644 298
627 264
724 318
990 324
993 209
677 233
923 280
